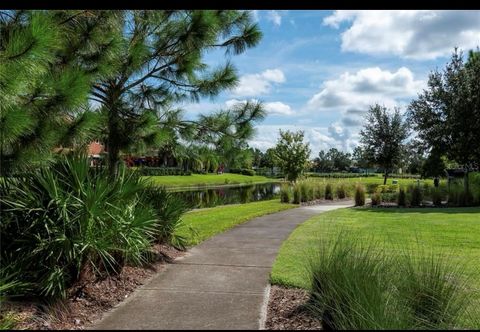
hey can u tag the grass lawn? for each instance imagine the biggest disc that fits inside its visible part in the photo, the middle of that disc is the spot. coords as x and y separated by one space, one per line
197 180
453 231
375 180
211 221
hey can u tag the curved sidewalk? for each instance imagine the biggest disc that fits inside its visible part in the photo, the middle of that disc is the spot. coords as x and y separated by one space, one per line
219 284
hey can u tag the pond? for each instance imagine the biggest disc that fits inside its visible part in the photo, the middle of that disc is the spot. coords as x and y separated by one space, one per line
203 198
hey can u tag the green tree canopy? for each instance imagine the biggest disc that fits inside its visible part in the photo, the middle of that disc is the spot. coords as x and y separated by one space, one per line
446 114
48 62
292 153
160 63
382 137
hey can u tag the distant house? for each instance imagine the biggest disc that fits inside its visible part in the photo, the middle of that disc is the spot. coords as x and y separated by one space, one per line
95 151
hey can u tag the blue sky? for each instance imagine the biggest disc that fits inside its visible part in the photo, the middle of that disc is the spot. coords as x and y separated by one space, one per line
318 71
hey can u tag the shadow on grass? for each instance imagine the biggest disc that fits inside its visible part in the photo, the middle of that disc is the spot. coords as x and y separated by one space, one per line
449 210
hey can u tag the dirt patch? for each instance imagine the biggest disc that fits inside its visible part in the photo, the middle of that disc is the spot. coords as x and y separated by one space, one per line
89 301
285 310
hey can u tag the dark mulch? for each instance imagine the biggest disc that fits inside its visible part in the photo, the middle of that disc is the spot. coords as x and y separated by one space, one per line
285 310
87 302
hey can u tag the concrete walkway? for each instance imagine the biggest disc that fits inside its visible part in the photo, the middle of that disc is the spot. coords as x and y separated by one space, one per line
219 284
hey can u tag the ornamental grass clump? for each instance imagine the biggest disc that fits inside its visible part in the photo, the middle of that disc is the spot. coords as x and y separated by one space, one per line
416 195
376 199
297 194
285 193
341 191
328 191
355 286
402 197
359 195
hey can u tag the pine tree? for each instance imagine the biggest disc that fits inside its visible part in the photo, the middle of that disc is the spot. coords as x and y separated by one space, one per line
48 62
160 63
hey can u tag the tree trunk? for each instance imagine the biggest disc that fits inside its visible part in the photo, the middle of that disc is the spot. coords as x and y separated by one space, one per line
385 177
112 142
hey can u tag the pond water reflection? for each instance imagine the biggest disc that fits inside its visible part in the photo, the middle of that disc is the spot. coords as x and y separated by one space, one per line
203 198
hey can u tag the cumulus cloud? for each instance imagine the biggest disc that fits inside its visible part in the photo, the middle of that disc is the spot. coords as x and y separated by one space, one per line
275 17
319 138
352 94
275 107
416 34
258 84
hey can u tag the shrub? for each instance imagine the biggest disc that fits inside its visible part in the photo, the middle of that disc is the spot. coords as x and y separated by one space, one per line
297 194
356 287
64 222
244 171
359 195
376 199
387 188
416 195
389 197
436 197
402 197
341 191
328 191
169 210
285 194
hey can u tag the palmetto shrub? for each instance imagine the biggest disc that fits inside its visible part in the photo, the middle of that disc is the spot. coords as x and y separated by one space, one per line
169 210
359 195
63 222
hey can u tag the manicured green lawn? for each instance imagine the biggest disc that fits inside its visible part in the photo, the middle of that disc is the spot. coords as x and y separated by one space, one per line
211 221
207 179
454 232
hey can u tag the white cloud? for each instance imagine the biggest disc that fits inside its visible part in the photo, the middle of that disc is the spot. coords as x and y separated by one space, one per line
357 91
275 107
319 138
275 17
417 34
279 108
258 84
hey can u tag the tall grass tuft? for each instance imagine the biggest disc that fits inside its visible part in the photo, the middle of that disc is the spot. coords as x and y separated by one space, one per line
359 195
376 199
285 194
436 196
318 193
341 191
416 195
297 194
356 287
402 197
328 191
304 191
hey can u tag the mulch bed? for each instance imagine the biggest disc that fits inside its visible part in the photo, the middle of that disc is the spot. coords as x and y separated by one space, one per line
285 310
88 302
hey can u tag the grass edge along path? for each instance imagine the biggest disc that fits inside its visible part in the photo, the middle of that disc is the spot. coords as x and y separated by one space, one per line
211 221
